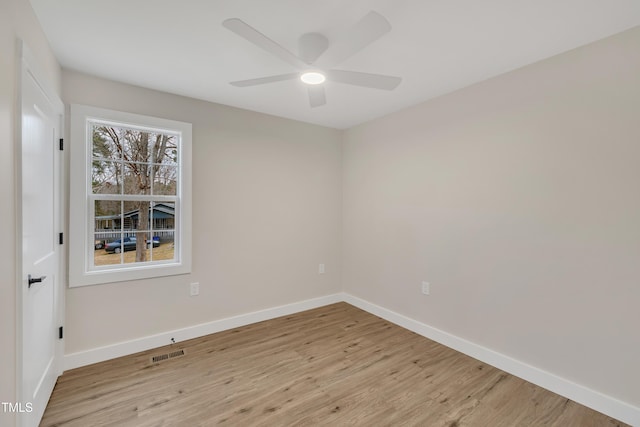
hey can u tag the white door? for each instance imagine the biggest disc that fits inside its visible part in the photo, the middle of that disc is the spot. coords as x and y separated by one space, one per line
40 295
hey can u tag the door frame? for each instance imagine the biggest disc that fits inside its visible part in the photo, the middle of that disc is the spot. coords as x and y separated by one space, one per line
27 63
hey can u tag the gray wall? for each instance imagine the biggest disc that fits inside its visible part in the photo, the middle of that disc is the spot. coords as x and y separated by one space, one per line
266 212
518 200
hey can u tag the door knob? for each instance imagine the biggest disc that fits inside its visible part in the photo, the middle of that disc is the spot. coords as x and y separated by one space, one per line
33 280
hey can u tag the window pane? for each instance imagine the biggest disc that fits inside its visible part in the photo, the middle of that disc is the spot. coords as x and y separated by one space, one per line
163 246
136 178
136 216
136 145
107 249
108 216
164 149
137 248
163 216
106 142
106 177
165 180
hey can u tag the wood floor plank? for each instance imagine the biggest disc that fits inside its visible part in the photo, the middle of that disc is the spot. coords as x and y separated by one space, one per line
335 365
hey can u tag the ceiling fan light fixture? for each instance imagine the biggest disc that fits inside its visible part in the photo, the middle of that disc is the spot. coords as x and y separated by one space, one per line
313 78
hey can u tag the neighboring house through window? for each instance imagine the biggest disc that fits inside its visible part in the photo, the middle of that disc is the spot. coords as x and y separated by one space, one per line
130 196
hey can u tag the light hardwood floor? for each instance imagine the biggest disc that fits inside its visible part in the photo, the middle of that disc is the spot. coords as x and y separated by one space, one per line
335 365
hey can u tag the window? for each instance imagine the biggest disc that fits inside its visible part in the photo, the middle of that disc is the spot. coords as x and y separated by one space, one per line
130 198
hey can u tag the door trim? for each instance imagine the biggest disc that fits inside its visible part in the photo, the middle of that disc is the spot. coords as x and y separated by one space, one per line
26 63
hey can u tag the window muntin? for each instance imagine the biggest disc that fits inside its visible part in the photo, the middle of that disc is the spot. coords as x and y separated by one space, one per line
134 190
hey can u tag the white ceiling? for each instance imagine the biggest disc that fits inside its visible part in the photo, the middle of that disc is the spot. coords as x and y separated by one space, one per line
436 46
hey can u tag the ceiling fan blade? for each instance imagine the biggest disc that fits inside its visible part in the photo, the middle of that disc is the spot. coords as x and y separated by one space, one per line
375 81
264 80
366 31
254 36
317 96
311 46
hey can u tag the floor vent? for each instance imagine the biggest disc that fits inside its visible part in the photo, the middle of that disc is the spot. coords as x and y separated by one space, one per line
167 356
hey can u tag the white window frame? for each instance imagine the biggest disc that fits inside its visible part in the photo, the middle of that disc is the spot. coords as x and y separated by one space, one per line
81 217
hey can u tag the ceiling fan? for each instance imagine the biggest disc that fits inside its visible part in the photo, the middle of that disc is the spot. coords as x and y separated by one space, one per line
315 60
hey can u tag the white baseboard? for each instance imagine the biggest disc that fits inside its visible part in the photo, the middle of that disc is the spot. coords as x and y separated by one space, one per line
100 354
576 392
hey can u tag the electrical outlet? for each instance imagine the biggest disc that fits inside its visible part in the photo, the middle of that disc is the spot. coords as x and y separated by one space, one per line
320 268
195 289
426 288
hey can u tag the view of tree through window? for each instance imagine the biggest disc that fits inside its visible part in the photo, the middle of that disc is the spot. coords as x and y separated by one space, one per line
134 184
